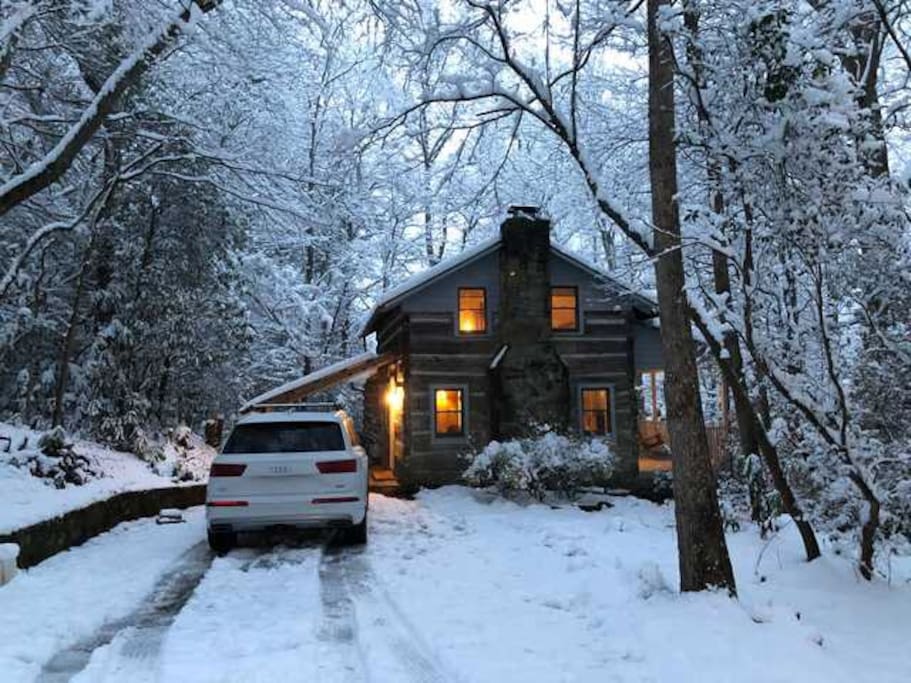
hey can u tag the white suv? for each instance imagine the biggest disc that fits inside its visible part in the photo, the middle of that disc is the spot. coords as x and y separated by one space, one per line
288 469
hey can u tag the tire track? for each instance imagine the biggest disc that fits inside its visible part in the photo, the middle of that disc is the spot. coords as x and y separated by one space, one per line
145 627
339 627
350 589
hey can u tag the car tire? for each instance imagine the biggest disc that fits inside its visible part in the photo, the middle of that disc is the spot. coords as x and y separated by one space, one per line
222 541
357 534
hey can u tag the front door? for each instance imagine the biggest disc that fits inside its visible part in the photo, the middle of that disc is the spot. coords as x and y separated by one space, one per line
395 403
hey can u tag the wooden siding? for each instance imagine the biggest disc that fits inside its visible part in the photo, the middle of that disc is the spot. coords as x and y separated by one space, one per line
649 355
606 351
593 294
442 297
606 360
439 358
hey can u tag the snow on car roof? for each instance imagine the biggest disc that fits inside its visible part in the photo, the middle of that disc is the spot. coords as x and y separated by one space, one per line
291 416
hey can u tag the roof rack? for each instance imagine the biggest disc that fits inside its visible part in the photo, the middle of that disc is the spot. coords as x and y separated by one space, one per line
290 407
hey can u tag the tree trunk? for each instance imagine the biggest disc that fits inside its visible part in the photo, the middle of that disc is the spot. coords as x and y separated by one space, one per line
720 271
863 65
765 446
722 277
703 554
66 347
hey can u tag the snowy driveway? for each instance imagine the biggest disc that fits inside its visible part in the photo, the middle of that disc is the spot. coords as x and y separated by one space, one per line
449 589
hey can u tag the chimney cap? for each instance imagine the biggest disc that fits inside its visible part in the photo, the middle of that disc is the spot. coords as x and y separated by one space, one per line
524 209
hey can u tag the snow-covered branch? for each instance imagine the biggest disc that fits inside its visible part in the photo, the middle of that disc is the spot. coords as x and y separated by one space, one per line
55 163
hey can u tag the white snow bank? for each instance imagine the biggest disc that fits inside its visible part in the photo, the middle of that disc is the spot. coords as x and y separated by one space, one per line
70 596
9 553
503 592
458 586
27 499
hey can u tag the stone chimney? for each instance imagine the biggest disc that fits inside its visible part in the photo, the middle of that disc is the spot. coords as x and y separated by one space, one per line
531 385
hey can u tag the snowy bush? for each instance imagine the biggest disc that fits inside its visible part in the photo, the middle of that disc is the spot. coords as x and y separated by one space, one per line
663 483
180 453
56 460
148 448
537 466
188 454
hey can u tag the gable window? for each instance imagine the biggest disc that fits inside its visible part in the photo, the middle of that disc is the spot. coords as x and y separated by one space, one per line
596 414
448 411
472 310
564 309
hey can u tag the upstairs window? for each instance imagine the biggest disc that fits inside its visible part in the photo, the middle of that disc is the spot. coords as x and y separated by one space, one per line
596 415
472 310
448 414
564 309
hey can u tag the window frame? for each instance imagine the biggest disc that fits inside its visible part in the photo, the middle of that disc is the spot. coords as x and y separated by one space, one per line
458 316
234 445
611 407
655 398
451 386
577 309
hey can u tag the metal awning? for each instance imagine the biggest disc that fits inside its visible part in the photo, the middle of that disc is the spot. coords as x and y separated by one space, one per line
357 367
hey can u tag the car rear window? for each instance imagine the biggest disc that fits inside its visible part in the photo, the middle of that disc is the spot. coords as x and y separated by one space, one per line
285 437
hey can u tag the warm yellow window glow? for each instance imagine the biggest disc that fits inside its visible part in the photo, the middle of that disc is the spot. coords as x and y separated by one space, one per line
395 397
448 412
472 310
596 411
564 309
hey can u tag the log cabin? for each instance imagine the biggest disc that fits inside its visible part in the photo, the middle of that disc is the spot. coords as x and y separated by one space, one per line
514 333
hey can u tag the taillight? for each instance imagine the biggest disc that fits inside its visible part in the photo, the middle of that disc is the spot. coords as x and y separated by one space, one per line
226 470
227 504
336 466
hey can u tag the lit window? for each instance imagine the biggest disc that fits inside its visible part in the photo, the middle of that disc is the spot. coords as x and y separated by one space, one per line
564 309
448 412
472 310
596 411
652 392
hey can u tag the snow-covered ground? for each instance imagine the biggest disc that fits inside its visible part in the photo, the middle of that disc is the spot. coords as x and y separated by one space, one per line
453 588
75 594
26 499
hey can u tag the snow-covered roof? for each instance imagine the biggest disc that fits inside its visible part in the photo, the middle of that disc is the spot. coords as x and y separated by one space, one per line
640 300
361 365
419 281
425 277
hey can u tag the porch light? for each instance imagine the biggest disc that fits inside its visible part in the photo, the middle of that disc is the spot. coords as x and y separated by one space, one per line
395 397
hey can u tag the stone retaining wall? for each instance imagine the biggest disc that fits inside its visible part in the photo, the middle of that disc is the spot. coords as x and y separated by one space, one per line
39 541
